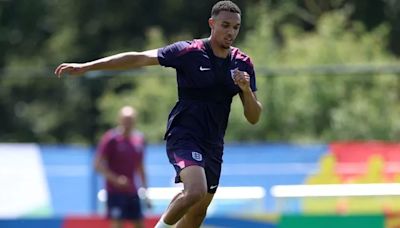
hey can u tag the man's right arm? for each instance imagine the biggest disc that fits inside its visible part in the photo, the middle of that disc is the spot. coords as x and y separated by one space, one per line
101 164
119 181
126 60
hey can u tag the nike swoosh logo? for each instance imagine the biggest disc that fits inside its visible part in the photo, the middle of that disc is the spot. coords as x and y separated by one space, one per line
204 68
213 186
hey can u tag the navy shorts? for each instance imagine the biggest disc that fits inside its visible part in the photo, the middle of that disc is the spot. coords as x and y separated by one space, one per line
183 152
123 206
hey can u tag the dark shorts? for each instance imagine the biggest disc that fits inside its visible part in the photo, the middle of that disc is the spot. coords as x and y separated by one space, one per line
123 206
183 152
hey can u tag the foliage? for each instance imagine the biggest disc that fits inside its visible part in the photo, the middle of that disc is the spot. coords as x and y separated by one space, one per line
38 35
326 107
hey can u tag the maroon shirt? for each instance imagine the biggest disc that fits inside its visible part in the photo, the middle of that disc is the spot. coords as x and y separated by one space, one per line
123 156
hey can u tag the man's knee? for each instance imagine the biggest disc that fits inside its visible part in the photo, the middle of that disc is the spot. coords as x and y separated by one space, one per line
195 184
198 214
194 217
195 195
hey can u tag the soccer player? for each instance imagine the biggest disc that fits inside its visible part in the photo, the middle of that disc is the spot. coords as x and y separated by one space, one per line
119 158
210 72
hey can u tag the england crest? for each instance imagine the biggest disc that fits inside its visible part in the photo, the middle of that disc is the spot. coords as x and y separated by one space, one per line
197 156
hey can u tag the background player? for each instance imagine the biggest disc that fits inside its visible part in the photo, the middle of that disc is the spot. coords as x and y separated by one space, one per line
119 159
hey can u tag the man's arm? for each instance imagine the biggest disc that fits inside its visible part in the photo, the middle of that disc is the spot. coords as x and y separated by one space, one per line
100 165
252 107
143 188
120 61
142 174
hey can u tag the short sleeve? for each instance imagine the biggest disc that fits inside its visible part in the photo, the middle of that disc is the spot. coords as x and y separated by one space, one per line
252 74
249 68
168 56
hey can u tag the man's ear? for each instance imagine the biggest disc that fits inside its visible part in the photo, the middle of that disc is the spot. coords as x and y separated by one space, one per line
211 23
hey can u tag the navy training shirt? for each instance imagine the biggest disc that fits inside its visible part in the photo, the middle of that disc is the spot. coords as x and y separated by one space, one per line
205 89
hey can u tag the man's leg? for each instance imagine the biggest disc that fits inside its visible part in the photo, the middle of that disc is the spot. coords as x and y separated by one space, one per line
194 190
175 197
115 209
196 214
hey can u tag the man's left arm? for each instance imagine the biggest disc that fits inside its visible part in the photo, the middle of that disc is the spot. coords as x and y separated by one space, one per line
251 106
142 174
141 170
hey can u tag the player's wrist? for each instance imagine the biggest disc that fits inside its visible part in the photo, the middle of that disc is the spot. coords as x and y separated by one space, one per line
247 90
119 180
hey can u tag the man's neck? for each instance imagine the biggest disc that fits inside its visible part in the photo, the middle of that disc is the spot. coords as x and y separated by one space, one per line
125 132
217 50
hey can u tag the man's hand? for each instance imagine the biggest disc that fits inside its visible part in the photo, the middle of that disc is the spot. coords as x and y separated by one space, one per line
142 192
242 79
121 182
70 68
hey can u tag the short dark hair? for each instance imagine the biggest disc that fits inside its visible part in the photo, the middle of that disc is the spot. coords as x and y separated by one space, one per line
224 6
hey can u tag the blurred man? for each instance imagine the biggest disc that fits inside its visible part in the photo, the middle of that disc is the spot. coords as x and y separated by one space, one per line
119 159
210 72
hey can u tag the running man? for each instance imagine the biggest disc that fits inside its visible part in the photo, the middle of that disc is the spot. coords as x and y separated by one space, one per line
210 72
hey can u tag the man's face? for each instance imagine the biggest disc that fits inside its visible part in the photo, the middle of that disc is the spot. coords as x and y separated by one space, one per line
224 28
127 118
127 122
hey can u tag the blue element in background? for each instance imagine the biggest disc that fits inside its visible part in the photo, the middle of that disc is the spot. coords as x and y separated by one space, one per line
69 172
31 223
267 165
236 223
74 184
